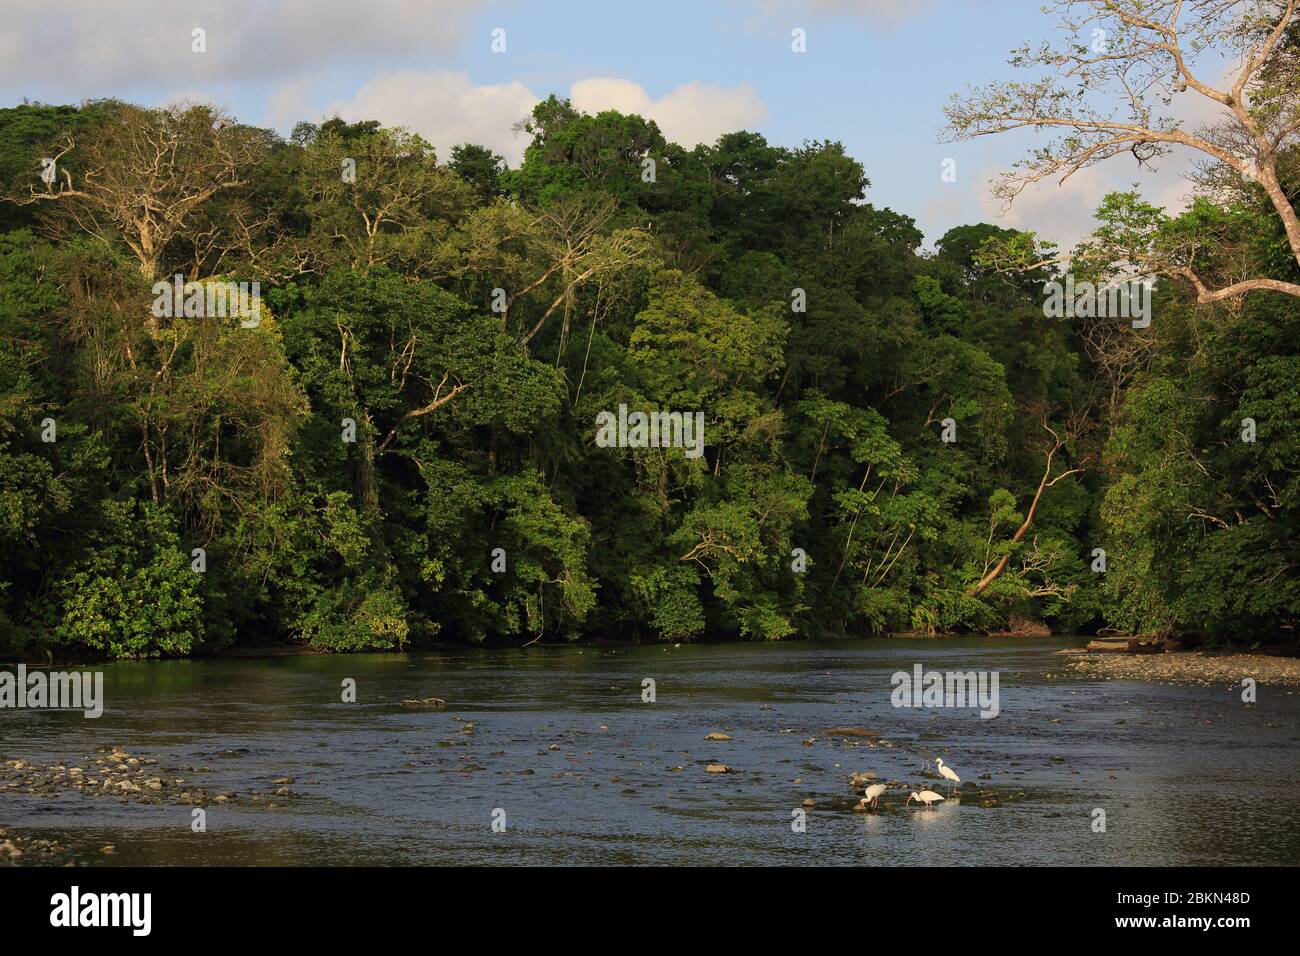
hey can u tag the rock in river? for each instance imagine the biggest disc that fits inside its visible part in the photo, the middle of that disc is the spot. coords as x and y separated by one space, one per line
849 732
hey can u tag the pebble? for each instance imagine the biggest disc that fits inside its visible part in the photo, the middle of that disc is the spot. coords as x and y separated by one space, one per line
17 850
118 774
1193 667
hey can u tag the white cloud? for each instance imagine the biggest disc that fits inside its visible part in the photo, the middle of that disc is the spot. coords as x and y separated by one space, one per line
445 108
1064 214
692 113
288 105
104 45
887 12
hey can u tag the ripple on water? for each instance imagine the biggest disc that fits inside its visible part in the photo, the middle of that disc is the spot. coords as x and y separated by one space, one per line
1185 774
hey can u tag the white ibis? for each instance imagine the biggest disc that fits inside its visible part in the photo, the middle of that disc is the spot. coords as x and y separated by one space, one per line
947 773
925 796
873 793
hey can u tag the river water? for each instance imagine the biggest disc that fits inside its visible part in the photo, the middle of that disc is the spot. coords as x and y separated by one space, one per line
1184 774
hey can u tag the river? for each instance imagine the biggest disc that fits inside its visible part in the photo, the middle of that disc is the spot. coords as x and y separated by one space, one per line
1184 774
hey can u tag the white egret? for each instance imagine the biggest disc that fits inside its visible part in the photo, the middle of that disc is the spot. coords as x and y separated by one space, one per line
947 773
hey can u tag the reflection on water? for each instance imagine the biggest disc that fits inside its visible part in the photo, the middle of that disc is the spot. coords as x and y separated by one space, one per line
587 773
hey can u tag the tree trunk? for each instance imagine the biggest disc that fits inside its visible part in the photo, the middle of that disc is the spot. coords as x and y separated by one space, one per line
1043 485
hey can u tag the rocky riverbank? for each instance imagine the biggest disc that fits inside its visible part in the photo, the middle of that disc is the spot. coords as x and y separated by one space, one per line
1190 667
129 779
19 850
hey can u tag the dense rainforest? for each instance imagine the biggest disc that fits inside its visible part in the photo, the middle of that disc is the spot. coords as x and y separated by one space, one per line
400 446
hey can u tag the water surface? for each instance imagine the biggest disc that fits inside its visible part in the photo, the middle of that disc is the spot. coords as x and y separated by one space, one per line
1185 774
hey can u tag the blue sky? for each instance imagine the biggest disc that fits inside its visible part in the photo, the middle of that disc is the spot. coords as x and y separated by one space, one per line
875 76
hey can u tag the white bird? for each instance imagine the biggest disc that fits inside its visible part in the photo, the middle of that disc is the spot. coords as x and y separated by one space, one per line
925 796
873 793
947 773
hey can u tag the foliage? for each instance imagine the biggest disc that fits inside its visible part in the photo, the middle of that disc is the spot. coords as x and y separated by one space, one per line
404 449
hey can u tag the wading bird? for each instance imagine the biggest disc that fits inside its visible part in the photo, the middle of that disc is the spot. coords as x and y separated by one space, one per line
925 796
925 756
873 793
947 773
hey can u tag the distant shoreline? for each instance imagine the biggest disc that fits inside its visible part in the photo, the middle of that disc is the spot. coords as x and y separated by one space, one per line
272 651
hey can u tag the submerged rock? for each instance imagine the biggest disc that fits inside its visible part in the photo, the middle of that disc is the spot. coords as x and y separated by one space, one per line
849 732
18 850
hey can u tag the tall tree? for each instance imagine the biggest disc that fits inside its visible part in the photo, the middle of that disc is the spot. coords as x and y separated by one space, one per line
1107 87
144 175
